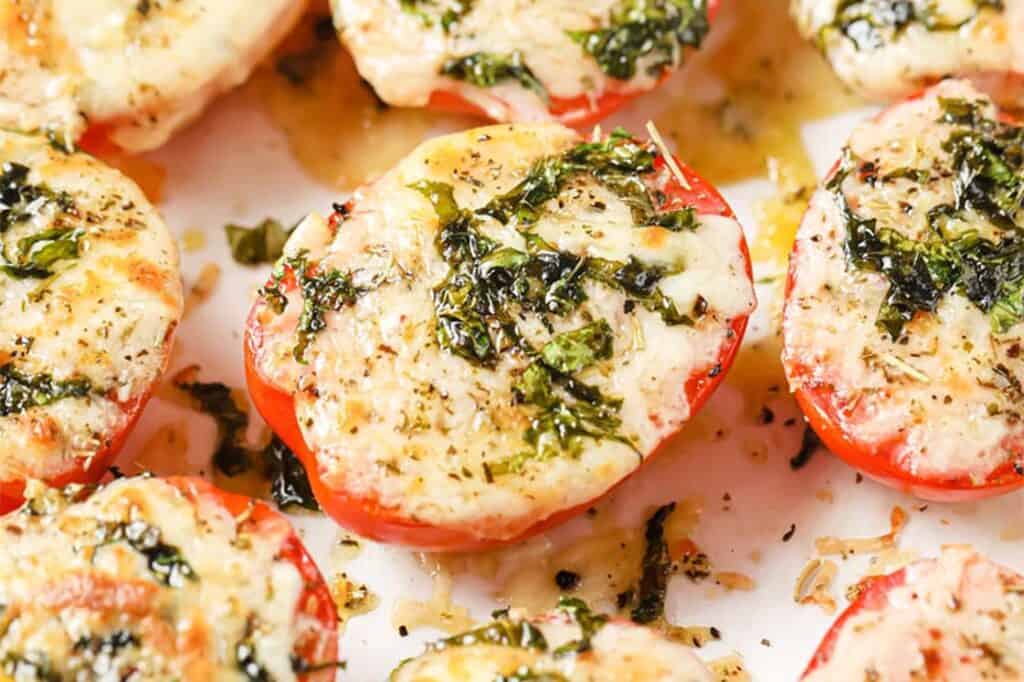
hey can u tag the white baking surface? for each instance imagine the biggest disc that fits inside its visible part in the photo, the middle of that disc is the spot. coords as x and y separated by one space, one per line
234 166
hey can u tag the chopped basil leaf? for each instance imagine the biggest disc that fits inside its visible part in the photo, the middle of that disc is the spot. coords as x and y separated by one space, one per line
35 255
576 350
20 392
38 253
590 624
257 245
871 24
501 632
987 160
322 291
451 15
619 164
486 69
655 31
231 456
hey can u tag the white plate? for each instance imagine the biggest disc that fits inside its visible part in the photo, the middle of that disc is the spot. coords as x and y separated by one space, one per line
234 166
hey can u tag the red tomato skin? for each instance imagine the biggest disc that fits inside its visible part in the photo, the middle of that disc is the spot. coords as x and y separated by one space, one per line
315 602
874 596
369 519
582 112
878 460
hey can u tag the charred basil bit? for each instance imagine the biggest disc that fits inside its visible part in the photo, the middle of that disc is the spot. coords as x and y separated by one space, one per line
245 659
94 655
289 484
525 674
298 68
31 666
165 561
567 580
231 456
871 24
302 666
809 444
590 624
20 392
650 31
487 69
619 164
263 243
656 567
321 291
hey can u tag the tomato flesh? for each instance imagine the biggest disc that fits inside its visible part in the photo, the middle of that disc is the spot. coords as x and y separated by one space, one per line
368 518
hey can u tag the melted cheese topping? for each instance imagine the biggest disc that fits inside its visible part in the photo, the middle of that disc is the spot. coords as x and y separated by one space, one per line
622 652
959 618
106 316
140 69
935 392
393 416
982 46
402 57
69 582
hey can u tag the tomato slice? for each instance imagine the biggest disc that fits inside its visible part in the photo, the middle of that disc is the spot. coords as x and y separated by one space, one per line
318 642
92 469
579 112
879 460
370 519
874 596
921 638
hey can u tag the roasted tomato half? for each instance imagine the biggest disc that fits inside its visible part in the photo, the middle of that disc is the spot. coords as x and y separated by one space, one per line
902 323
958 617
561 60
128 73
569 644
888 50
160 579
90 296
497 332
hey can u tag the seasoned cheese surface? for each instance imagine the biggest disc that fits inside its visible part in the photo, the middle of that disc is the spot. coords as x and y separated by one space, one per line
90 295
544 648
906 289
890 49
143 581
524 56
572 374
138 69
958 618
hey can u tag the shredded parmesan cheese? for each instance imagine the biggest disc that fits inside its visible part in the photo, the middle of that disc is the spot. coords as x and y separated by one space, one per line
814 585
666 153
829 545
